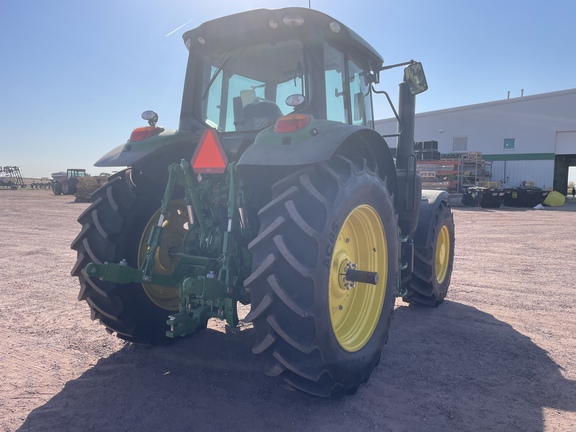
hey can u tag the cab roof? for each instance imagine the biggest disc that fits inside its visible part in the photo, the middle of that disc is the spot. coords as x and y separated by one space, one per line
246 26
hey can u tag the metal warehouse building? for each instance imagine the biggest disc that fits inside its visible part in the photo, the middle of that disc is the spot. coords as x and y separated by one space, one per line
528 138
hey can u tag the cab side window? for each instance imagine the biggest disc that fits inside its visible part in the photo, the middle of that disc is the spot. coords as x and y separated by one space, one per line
335 78
361 97
348 96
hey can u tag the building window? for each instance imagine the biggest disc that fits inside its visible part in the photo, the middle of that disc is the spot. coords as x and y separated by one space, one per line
460 143
509 144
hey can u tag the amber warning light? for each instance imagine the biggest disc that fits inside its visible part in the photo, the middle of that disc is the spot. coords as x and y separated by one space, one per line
209 157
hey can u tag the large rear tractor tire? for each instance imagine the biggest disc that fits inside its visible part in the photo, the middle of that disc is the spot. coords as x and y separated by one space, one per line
115 227
433 259
57 188
69 187
321 334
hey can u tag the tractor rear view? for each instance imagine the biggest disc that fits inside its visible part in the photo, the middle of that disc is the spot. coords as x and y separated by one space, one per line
277 192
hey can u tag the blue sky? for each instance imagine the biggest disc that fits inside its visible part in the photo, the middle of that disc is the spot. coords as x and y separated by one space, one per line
76 75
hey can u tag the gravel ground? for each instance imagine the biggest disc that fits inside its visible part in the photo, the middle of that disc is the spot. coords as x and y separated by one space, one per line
497 355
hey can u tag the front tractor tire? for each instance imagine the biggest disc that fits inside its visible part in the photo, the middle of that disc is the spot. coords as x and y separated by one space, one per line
321 334
113 229
433 258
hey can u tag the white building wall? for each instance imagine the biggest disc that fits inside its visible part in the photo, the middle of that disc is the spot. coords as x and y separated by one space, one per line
513 173
566 143
538 124
532 120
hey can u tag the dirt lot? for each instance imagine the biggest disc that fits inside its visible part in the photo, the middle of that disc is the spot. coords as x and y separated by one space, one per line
498 355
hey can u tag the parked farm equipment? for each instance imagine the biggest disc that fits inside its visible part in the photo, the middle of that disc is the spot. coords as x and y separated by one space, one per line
512 197
11 178
76 182
65 182
43 183
274 191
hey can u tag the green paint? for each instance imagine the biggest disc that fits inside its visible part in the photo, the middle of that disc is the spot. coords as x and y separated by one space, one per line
269 138
185 323
212 266
118 273
521 156
131 152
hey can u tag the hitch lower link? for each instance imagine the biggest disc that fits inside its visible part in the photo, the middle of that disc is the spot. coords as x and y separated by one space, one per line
120 273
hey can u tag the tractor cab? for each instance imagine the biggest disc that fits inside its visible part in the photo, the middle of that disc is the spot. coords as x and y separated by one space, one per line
248 70
75 173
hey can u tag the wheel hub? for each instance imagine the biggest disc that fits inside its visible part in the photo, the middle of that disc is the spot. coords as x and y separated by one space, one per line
355 305
345 283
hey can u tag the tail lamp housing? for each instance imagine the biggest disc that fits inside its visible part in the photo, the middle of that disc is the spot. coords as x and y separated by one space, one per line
292 123
142 133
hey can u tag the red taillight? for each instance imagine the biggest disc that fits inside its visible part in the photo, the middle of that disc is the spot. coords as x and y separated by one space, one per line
209 157
142 133
291 123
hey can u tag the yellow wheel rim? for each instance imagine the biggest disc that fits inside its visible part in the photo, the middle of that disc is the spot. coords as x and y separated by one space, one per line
442 255
165 259
355 311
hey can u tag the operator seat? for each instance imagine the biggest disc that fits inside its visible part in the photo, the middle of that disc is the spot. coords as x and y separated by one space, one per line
259 114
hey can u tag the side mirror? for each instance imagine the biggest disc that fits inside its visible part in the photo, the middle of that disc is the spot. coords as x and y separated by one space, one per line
372 77
151 116
295 100
414 76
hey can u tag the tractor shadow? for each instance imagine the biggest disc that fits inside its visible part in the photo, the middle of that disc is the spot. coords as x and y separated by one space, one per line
448 369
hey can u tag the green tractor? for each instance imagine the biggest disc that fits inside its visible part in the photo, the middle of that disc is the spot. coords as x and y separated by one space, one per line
275 191
66 183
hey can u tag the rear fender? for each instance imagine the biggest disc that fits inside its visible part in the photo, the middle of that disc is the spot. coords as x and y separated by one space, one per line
318 142
431 200
138 153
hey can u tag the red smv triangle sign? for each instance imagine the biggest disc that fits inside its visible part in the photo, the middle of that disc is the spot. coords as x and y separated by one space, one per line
209 157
